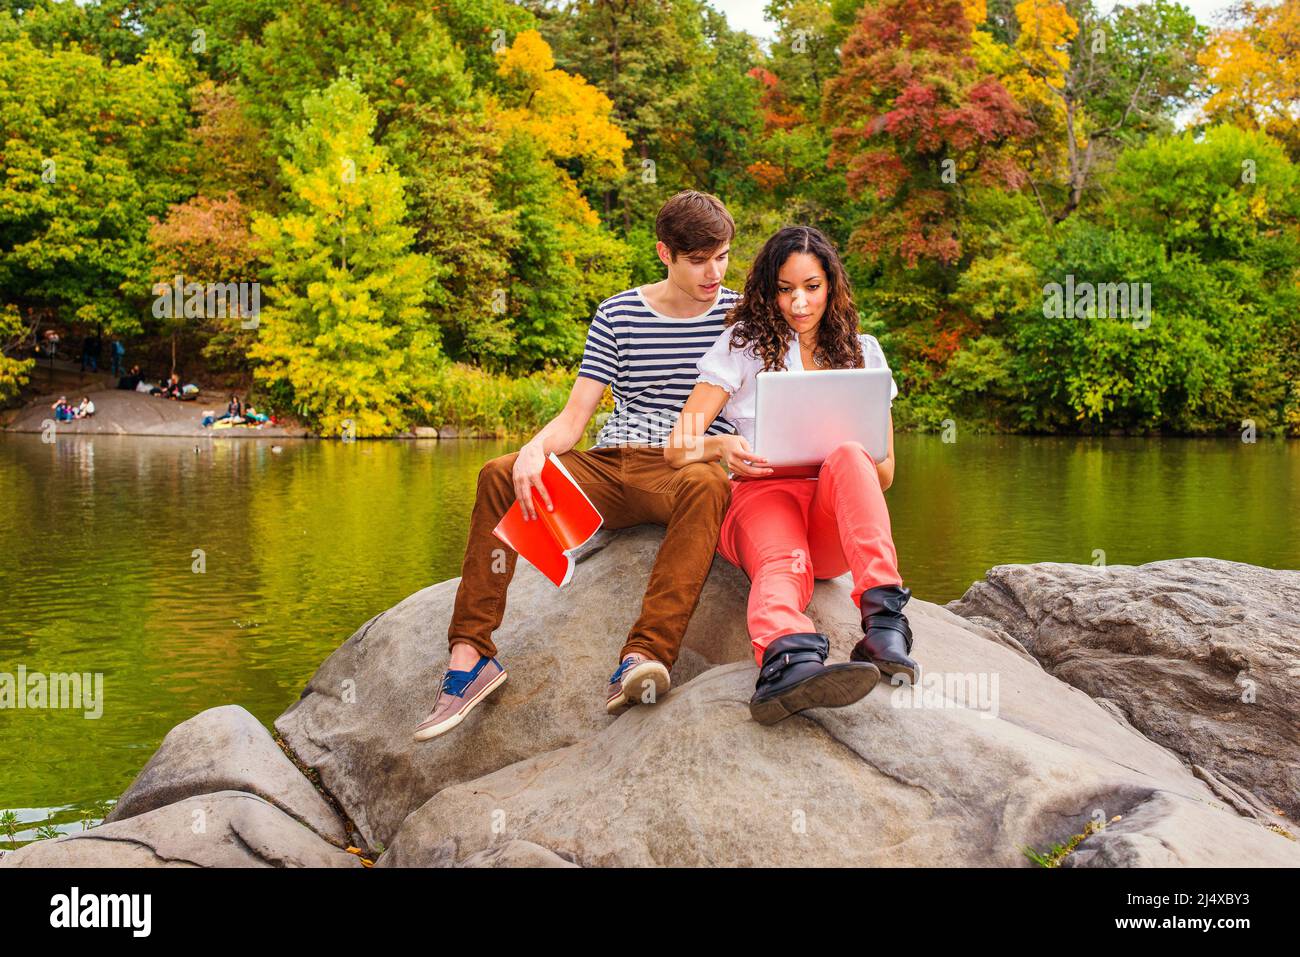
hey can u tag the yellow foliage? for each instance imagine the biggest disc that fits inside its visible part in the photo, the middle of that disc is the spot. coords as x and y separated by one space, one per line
528 58
1046 31
1253 69
568 116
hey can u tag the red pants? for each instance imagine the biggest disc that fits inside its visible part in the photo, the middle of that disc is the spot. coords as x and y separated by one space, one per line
786 532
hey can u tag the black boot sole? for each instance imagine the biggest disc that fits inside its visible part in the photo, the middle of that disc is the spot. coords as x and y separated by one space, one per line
889 668
833 687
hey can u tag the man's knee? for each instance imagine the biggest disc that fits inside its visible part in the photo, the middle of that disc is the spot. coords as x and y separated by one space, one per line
498 472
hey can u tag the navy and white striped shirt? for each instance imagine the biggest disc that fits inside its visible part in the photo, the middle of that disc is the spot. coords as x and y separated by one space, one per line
649 359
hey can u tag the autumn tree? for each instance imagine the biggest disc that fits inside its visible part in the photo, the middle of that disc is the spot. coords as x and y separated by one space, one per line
345 339
913 122
565 261
208 240
1102 80
1252 71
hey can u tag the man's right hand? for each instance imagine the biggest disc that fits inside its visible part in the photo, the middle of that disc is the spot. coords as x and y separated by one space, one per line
739 459
528 476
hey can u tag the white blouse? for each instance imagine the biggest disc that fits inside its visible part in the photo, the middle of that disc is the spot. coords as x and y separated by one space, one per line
736 370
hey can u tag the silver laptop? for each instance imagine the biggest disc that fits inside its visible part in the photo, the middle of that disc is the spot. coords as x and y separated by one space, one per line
802 416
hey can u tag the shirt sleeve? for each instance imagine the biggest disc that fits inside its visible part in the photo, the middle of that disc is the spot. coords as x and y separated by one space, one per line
600 359
721 366
874 357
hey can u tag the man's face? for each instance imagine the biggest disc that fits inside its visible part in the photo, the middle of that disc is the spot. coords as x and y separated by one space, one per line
699 274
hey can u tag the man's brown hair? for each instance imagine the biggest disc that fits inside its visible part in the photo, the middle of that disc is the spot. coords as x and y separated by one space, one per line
694 222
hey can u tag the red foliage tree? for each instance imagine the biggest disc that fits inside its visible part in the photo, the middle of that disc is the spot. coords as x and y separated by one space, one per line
913 120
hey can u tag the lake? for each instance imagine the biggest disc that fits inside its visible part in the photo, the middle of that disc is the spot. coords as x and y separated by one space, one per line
100 539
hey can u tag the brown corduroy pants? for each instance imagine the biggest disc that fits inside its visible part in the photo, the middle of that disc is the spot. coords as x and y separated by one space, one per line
629 485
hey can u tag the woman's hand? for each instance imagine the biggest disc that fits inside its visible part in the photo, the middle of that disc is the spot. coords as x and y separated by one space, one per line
527 475
739 459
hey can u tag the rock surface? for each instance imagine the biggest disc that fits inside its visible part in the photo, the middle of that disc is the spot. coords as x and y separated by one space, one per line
937 777
225 829
226 749
990 755
356 716
1198 654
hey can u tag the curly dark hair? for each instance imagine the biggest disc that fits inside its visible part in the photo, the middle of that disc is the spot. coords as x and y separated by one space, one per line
756 319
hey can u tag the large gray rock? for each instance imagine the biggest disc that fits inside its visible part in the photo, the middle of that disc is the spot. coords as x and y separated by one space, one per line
1200 655
356 716
939 776
225 829
226 749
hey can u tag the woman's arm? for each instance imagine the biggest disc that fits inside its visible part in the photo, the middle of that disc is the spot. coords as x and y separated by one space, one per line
885 467
687 443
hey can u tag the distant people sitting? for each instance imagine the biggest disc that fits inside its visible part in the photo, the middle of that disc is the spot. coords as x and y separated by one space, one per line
86 409
63 412
131 381
234 409
169 388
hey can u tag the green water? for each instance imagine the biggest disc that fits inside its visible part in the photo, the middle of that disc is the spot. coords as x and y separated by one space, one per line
97 541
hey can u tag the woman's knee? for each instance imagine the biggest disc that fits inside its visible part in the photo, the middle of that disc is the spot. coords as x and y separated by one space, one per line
849 452
852 457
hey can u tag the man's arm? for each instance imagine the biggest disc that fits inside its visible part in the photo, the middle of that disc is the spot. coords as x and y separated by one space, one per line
559 435
563 432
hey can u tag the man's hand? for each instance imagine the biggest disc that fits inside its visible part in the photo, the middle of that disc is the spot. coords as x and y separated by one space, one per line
528 476
737 456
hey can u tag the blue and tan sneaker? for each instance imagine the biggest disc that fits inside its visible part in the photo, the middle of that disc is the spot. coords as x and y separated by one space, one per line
460 692
638 680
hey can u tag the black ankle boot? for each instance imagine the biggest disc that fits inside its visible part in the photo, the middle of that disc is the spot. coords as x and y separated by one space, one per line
794 676
888 637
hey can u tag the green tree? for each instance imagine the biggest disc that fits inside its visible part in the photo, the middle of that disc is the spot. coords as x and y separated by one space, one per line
398 51
89 151
13 372
346 337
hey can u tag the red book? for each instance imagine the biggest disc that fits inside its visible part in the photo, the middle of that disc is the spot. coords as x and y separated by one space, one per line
548 543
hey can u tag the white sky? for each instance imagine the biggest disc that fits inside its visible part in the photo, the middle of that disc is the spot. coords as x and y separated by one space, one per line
748 14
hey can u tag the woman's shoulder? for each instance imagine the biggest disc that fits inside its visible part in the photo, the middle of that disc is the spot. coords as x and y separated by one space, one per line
724 345
871 351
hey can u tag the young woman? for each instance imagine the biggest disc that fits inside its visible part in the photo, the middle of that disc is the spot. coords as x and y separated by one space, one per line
798 314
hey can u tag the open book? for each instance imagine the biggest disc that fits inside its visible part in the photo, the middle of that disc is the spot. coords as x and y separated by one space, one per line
548 543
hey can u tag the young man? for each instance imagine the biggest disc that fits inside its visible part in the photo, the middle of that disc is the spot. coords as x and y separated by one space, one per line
643 342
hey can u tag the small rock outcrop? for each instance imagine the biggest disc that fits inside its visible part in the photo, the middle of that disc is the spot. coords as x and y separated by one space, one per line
225 829
1200 655
226 749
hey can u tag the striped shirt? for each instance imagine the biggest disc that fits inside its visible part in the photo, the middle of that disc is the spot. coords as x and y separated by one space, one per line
649 359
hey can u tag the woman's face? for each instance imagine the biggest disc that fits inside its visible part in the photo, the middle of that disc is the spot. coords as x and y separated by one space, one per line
801 292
